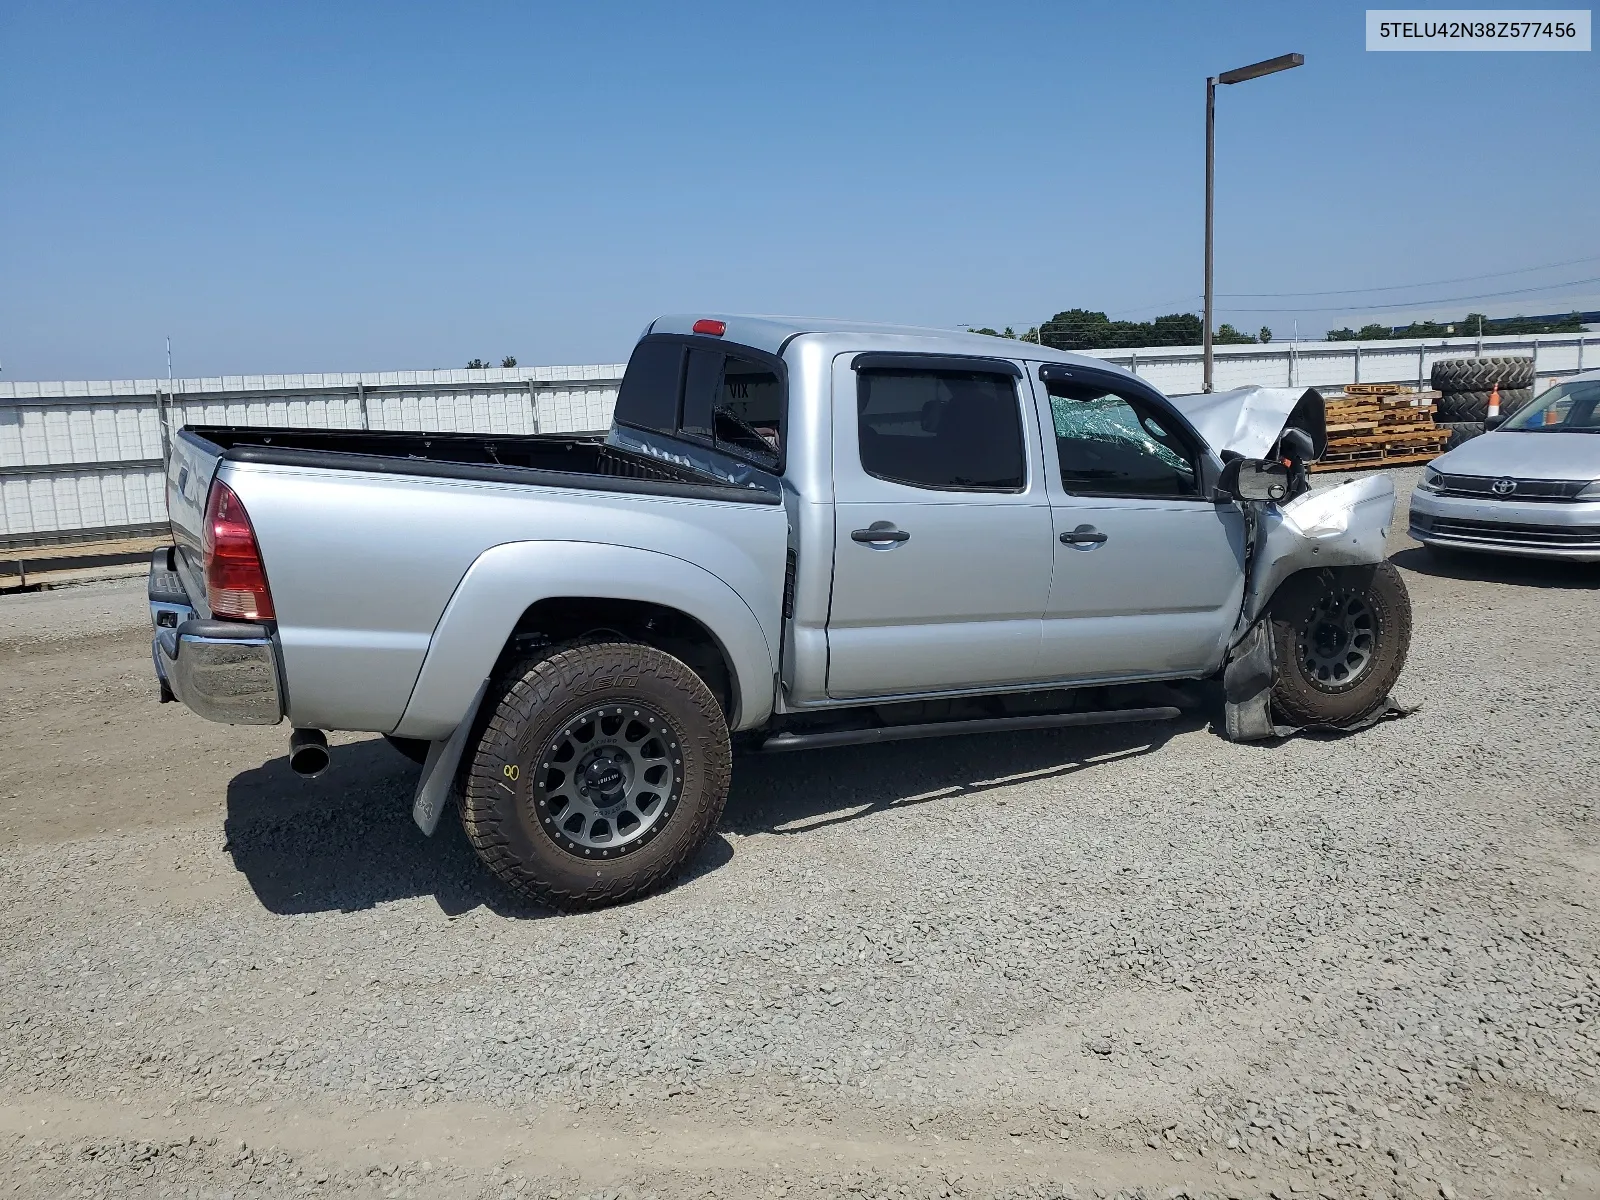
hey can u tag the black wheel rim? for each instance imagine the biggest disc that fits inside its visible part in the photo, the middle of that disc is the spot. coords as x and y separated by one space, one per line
608 781
1338 641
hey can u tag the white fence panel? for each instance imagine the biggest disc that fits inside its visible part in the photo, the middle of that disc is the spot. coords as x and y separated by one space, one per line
80 460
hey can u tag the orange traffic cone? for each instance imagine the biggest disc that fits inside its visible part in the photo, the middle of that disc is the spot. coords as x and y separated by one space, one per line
1494 402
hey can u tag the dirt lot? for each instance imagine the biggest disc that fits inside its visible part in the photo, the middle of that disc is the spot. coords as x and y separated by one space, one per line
1075 963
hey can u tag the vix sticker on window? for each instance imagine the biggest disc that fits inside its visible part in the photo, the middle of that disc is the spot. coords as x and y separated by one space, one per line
1477 29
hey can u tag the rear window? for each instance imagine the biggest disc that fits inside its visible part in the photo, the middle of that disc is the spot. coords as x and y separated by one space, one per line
648 397
703 393
947 430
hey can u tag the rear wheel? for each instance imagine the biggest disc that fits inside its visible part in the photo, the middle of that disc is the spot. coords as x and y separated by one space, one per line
601 772
1340 637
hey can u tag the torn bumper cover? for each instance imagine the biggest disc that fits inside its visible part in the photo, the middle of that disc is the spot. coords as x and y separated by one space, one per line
1247 695
1337 527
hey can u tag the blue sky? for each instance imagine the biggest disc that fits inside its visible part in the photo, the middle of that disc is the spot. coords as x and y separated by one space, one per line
296 186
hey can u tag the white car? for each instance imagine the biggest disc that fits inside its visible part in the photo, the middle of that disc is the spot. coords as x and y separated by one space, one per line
1529 487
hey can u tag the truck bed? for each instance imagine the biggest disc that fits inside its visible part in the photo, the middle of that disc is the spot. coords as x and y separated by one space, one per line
366 537
554 460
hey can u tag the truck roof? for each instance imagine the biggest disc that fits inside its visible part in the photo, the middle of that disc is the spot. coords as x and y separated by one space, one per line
772 333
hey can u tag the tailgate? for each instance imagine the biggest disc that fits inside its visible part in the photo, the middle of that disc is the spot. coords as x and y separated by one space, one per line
194 461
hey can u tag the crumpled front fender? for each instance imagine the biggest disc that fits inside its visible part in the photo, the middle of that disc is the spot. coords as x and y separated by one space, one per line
1343 526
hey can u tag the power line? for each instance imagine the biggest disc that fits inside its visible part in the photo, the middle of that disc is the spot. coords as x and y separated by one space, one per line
1400 287
1393 287
1159 304
1423 303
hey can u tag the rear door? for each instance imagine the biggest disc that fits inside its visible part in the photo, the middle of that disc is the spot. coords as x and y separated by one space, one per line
942 526
1149 569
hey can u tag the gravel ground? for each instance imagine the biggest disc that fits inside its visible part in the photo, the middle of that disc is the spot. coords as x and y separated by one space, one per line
1136 960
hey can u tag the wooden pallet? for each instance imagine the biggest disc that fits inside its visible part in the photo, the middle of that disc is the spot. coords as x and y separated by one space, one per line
1381 403
1351 420
1378 460
1387 399
1386 437
1380 425
1377 389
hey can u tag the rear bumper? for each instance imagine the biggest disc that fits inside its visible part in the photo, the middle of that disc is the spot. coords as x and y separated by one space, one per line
222 670
1563 530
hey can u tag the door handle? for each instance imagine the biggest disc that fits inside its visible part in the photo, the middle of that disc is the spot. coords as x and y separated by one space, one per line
1084 537
880 531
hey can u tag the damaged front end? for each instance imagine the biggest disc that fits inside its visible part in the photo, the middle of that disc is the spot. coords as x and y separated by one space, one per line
1342 526
1290 529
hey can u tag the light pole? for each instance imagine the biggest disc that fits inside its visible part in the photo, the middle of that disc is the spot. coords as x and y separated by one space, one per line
1255 71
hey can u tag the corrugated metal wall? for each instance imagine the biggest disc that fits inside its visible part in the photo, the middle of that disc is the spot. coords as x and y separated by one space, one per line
84 460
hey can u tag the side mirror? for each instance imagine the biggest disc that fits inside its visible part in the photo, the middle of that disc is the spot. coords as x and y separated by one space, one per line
1496 422
1255 479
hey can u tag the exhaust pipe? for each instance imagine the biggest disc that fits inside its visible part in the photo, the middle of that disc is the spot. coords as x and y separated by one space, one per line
308 752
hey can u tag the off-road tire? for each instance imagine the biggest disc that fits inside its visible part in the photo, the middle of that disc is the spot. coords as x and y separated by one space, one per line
1474 406
500 803
416 749
1461 431
1297 697
1481 374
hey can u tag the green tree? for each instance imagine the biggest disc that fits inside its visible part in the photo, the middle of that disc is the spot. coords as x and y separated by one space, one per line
1468 326
1084 329
476 364
1367 333
1227 335
1264 336
509 360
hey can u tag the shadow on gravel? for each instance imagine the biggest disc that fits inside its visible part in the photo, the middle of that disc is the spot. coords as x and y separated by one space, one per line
1498 568
346 842
799 792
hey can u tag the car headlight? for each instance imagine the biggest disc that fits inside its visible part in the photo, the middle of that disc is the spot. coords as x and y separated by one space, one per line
1592 492
1432 481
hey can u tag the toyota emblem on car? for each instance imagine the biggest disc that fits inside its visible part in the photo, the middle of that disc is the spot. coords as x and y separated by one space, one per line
1504 487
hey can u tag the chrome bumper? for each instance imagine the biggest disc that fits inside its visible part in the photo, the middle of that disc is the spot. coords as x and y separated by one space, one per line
222 670
1567 530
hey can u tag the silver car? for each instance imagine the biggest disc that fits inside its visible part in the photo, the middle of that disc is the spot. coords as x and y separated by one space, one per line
1530 487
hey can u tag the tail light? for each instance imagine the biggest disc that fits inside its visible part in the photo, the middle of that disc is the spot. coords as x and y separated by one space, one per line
236 581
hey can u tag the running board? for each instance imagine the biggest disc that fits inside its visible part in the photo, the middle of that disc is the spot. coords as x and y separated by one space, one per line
898 733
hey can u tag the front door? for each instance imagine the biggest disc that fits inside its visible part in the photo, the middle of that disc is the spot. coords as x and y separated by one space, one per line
1149 573
942 527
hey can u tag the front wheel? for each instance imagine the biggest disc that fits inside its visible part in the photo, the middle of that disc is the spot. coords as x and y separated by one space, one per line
1340 637
601 772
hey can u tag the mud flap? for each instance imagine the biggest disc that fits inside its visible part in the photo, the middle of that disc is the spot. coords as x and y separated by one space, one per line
439 771
1247 695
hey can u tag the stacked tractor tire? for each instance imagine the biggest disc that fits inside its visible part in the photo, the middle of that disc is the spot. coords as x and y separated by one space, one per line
1465 385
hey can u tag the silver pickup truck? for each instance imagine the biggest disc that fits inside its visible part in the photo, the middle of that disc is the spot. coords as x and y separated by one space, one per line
796 534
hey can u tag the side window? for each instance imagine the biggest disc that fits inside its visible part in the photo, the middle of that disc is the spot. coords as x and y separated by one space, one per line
949 430
1110 445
